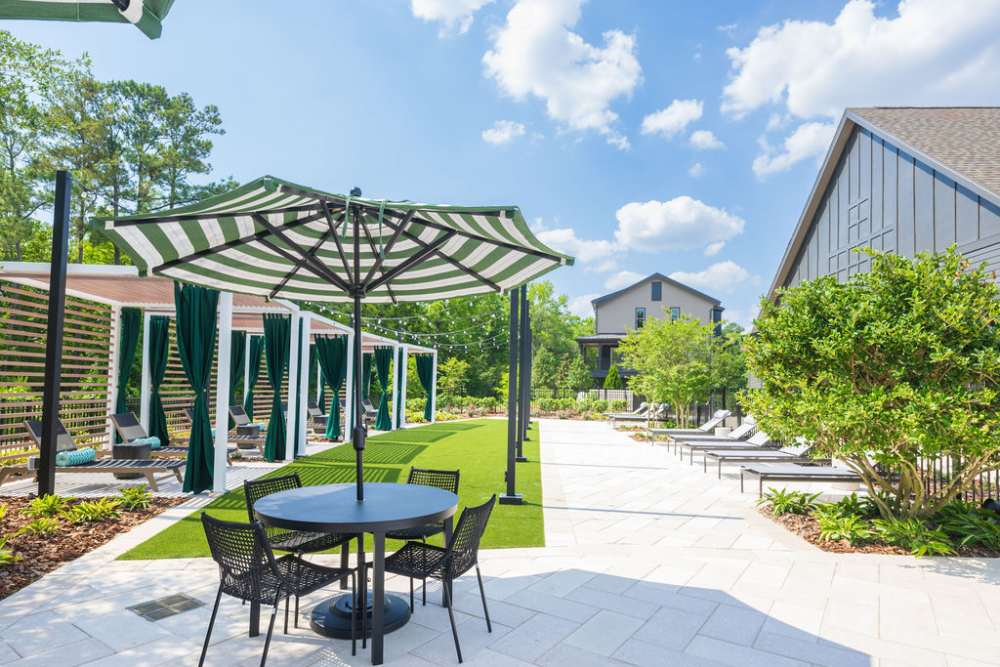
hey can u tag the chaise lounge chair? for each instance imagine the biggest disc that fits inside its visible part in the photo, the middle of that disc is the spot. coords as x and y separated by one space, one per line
791 472
793 454
741 432
252 441
757 441
130 430
656 412
638 412
146 467
718 417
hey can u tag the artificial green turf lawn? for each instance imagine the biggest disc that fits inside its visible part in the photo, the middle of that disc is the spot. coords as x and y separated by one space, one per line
477 448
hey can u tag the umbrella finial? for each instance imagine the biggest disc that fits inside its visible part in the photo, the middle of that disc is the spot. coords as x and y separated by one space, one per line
355 191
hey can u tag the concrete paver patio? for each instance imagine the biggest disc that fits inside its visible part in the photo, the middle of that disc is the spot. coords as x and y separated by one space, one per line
648 562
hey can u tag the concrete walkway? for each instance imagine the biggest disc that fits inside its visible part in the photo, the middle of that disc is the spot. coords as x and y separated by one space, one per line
648 561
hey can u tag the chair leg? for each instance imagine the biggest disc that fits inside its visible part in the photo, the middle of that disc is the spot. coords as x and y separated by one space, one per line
451 617
211 623
354 598
411 595
482 594
270 631
286 613
296 611
423 592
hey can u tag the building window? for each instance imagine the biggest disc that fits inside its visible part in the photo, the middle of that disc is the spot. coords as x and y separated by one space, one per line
640 317
657 288
675 313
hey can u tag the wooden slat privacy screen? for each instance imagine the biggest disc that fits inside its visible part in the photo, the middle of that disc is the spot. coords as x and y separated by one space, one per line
85 397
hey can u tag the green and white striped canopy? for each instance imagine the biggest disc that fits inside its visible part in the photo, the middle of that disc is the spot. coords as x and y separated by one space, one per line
147 15
280 240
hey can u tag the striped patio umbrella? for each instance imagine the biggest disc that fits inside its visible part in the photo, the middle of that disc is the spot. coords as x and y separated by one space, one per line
277 239
147 15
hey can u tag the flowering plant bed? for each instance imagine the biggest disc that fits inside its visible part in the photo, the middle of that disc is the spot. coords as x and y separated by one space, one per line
37 535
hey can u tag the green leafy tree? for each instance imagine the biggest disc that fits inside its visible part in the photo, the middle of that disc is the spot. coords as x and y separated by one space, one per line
895 368
546 371
575 375
728 363
672 360
613 380
453 376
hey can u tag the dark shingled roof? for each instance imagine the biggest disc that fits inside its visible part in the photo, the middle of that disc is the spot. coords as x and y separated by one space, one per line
964 139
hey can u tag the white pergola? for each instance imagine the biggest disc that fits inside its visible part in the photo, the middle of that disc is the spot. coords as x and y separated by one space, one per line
121 287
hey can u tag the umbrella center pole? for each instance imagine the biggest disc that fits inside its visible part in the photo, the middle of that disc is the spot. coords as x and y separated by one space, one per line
359 432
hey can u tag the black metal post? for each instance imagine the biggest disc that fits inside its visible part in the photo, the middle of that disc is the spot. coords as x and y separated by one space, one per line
523 382
358 436
512 497
54 336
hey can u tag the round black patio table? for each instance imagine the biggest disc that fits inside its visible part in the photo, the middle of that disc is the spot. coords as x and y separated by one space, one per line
333 508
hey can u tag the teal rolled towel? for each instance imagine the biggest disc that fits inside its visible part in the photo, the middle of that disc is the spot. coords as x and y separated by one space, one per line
76 457
152 440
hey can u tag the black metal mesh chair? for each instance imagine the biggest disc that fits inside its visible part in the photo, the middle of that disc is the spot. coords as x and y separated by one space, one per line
440 479
418 560
249 571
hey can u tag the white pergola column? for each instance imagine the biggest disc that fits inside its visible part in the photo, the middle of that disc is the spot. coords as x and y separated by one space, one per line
246 366
319 387
348 421
222 392
146 384
434 388
303 414
404 352
293 388
116 327
394 376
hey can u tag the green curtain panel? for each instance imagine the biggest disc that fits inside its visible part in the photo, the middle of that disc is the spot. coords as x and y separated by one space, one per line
256 347
159 351
318 391
425 371
398 406
277 337
128 338
237 357
331 351
196 330
383 357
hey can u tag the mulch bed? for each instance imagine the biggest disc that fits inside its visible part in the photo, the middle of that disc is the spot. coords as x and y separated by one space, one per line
807 528
42 554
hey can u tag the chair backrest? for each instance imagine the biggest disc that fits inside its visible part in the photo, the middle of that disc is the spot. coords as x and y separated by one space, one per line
718 417
642 409
189 413
367 406
759 438
463 548
313 410
64 441
255 489
242 552
239 415
439 479
128 426
743 429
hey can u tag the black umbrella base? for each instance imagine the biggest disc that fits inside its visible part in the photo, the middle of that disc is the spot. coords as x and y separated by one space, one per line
332 618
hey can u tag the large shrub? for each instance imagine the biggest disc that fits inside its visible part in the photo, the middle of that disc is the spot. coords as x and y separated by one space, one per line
888 371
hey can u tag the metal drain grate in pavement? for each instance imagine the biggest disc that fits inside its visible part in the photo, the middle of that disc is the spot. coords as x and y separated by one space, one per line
154 610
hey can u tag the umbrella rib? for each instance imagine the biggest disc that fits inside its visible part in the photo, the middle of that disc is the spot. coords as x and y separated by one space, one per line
375 253
483 239
187 217
496 213
336 239
451 260
412 261
316 266
298 265
256 236
388 246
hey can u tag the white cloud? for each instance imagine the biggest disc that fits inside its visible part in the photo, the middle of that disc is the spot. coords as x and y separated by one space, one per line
580 305
454 15
728 29
593 252
712 249
927 54
622 279
808 140
503 132
682 223
741 316
705 140
673 119
723 277
535 53
696 170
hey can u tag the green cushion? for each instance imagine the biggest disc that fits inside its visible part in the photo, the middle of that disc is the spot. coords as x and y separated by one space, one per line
76 457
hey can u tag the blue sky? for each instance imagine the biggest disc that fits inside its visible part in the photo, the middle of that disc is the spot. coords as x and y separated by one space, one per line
640 136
